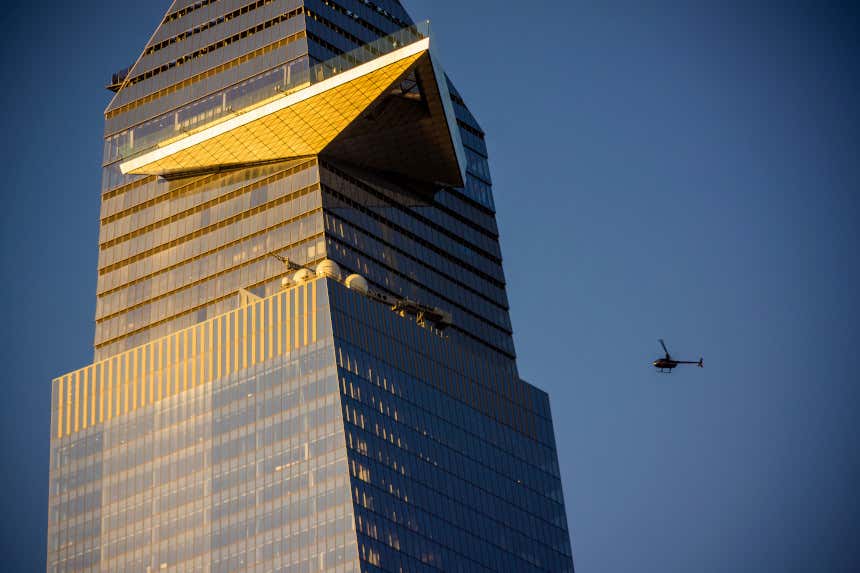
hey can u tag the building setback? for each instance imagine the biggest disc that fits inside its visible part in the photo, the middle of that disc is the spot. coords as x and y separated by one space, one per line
303 354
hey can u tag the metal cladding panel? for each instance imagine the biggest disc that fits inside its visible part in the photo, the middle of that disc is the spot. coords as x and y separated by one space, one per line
218 448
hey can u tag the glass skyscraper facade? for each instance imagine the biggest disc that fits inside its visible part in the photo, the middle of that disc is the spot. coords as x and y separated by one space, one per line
303 353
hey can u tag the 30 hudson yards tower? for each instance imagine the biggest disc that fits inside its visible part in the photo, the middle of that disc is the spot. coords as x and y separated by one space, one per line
303 353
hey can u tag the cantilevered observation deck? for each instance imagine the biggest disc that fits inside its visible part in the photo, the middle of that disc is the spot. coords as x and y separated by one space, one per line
384 106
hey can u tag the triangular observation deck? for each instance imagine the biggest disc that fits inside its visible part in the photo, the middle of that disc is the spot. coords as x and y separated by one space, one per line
384 106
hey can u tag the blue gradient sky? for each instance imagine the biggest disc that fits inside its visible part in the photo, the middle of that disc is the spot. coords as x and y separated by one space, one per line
685 170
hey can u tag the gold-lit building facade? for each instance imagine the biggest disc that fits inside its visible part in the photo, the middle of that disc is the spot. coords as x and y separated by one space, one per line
252 405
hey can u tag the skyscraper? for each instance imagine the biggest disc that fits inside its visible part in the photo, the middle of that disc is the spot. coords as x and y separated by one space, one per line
303 354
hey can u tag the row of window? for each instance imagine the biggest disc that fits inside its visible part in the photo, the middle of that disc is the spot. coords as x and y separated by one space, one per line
467 211
476 379
207 81
204 26
242 190
202 232
426 266
361 14
397 282
205 57
187 10
434 228
172 39
211 297
397 462
461 451
513 454
206 109
177 292
407 278
155 199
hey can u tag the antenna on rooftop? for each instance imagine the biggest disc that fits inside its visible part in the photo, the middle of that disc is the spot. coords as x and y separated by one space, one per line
423 314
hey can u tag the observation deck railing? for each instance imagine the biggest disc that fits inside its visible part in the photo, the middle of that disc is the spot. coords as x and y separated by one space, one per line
251 93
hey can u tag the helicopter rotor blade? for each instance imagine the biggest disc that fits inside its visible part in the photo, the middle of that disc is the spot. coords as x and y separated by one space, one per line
663 344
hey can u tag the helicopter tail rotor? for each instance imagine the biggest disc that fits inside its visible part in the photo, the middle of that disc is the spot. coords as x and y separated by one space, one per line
701 363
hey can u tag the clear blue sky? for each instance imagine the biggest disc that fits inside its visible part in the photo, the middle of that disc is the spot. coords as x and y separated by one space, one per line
680 169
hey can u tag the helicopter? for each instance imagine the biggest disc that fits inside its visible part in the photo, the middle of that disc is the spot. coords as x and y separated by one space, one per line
667 363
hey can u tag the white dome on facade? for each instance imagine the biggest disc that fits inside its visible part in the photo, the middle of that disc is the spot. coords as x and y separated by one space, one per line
328 268
357 283
302 276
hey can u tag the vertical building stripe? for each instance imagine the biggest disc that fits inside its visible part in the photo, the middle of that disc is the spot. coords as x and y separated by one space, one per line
193 357
259 327
189 358
124 362
159 371
117 386
210 349
233 340
144 383
85 398
228 344
270 333
179 362
165 368
277 324
94 394
77 401
296 329
109 382
116 382
169 368
237 347
84 383
217 351
258 335
313 311
307 305
152 377
250 335
287 320
175 364
60 398
101 370
251 330
184 359
69 398
306 302
201 353
133 379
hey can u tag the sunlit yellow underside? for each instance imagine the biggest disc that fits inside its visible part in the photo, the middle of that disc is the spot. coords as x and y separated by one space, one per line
304 128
